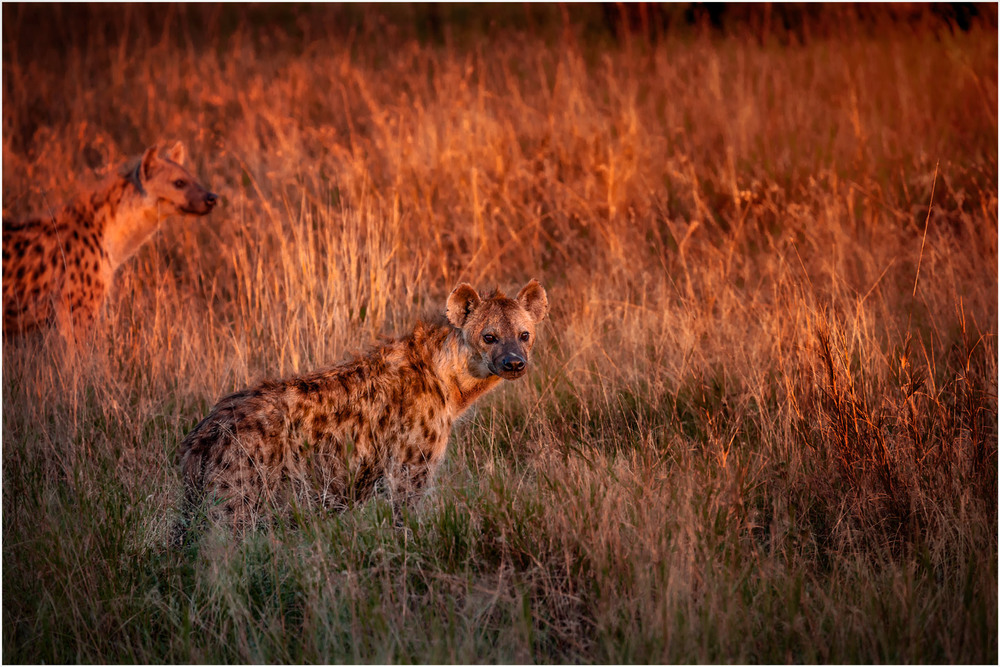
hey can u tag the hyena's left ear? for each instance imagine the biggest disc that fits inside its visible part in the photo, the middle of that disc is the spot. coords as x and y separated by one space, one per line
176 153
148 162
532 298
463 300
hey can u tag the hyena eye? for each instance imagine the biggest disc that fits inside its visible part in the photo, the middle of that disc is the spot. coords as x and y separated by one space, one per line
525 336
180 183
489 339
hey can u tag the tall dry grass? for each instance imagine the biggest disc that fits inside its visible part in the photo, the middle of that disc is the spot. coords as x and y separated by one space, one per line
763 421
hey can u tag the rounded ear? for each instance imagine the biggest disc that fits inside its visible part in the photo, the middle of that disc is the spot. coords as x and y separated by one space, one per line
148 162
177 154
533 299
461 302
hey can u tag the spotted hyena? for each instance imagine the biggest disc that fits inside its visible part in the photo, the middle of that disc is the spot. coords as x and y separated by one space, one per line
58 269
330 437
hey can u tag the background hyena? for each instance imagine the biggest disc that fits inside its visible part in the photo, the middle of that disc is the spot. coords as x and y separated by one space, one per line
330 436
60 267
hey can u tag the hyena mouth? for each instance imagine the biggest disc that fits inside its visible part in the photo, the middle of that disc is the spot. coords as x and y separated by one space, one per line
203 209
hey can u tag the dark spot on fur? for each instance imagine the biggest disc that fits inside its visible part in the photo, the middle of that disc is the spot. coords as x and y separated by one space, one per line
342 415
249 429
307 386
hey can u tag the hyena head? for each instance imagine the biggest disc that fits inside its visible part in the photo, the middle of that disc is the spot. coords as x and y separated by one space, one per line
161 174
498 331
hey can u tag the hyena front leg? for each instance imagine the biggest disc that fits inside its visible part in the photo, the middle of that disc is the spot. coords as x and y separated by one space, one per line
407 483
76 311
73 326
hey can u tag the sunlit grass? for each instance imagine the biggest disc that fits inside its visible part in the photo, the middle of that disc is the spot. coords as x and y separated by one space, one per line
752 433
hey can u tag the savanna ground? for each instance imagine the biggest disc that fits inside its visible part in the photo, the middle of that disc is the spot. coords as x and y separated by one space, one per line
762 426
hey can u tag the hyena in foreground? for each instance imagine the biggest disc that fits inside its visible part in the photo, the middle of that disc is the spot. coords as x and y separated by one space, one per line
329 437
59 268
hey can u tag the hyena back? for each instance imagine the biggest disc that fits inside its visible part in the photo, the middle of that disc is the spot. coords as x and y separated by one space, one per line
59 269
330 437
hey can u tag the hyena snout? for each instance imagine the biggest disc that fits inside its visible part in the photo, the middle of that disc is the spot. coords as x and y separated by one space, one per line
201 203
510 364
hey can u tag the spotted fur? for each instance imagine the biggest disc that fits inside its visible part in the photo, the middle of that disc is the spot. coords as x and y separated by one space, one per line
330 437
59 269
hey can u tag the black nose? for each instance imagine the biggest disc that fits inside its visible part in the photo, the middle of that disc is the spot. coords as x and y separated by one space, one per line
211 199
512 362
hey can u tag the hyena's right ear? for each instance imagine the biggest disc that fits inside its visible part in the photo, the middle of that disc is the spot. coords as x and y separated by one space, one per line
463 300
176 153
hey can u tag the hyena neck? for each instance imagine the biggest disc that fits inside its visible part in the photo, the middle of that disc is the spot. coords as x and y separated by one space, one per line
451 361
130 218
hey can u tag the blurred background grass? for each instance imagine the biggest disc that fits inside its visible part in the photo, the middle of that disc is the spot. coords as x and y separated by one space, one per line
762 426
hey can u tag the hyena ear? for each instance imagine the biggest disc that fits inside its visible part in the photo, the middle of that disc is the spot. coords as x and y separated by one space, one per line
177 154
463 300
148 163
532 298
